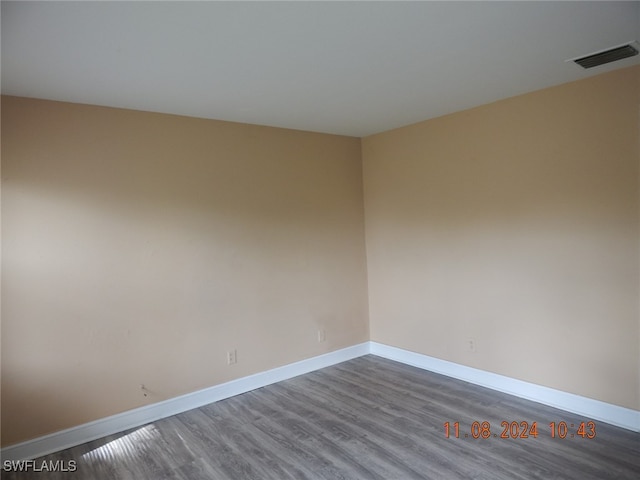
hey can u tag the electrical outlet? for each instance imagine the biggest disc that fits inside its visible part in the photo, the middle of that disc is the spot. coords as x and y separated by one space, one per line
471 345
232 357
321 335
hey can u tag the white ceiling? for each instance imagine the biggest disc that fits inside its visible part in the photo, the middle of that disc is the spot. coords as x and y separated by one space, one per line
352 68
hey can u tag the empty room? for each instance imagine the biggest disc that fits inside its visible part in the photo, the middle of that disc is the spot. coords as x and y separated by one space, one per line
320 240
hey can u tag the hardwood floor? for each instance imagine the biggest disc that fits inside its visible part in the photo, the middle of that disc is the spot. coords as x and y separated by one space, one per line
367 418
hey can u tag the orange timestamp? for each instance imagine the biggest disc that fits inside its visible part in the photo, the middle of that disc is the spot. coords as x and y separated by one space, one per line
521 429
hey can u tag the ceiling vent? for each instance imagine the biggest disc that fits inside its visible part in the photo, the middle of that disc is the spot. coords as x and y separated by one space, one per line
607 56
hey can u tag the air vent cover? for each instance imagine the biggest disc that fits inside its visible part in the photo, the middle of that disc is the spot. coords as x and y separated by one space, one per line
607 56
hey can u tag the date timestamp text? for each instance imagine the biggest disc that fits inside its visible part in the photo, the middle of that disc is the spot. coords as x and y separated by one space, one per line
522 429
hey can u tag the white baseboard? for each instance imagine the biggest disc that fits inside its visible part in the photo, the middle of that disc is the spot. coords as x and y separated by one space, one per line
595 409
150 413
605 412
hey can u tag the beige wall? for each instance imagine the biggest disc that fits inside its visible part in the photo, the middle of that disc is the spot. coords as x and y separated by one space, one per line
138 248
514 225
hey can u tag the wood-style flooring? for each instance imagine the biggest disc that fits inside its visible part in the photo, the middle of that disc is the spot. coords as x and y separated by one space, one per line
368 418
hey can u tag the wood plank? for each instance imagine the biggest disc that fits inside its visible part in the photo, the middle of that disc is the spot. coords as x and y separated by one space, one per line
368 418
